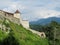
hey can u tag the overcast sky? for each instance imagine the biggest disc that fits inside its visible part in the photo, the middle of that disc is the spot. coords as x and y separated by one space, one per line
32 9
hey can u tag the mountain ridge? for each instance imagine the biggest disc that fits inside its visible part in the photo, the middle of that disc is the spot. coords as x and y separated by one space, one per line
46 21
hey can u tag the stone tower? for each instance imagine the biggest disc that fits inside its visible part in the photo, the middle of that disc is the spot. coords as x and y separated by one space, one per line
24 23
17 14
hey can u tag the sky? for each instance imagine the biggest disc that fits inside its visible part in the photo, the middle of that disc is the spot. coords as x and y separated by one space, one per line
32 10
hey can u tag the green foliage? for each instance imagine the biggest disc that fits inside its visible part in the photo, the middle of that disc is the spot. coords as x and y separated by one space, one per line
26 37
10 40
2 35
20 36
52 31
37 27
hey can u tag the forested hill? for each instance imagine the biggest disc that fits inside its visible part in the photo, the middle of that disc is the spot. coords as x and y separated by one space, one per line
52 31
17 35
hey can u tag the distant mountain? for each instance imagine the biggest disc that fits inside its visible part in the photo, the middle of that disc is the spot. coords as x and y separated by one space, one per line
46 21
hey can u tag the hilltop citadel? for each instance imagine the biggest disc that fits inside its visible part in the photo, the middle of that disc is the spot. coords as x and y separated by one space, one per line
14 17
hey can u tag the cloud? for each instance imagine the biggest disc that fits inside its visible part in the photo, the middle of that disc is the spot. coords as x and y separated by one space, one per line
14 6
45 13
32 9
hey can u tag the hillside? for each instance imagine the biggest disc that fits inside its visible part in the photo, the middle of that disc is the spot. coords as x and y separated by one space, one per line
52 31
19 36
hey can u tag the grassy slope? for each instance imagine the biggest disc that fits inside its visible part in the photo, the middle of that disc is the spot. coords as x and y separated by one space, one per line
3 35
25 37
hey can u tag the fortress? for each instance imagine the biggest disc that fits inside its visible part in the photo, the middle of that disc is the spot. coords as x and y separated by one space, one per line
14 17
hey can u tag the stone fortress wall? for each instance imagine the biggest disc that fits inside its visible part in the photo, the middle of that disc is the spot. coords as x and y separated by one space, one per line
25 23
14 17
9 16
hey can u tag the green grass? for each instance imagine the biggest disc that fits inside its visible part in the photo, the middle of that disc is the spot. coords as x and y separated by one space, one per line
2 35
24 36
